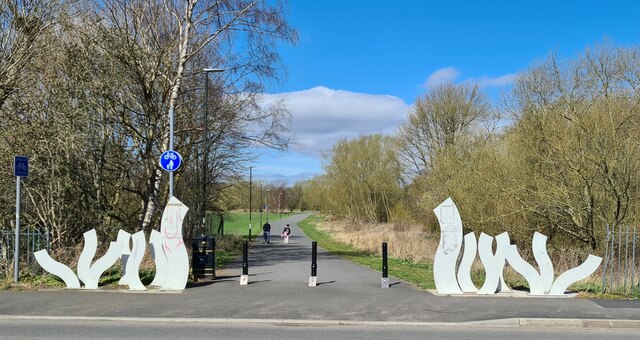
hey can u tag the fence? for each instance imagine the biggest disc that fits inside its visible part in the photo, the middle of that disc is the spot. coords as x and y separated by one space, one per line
621 270
30 241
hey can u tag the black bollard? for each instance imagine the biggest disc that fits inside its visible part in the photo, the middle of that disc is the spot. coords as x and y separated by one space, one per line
385 267
244 278
314 264
245 258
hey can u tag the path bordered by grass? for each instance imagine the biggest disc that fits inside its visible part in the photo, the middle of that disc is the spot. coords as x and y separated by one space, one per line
418 274
237 222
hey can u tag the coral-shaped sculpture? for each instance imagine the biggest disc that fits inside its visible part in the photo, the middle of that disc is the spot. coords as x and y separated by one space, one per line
540 282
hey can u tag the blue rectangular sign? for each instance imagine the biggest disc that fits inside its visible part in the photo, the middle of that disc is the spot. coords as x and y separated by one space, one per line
21 166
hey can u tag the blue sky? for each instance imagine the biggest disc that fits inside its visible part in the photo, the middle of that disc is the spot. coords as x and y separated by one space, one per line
360 64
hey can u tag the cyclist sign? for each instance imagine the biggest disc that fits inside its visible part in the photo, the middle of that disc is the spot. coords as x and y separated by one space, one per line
170 160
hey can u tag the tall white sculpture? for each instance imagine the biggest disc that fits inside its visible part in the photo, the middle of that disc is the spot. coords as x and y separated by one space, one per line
173 245
539 247
444 263
160 259
87 254
124 238
133 264
464 270
502 242
491 267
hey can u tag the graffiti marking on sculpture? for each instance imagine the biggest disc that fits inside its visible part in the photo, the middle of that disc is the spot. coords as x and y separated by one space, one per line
168 251
540 282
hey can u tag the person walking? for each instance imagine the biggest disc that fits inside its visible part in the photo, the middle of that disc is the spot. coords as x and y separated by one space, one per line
286 233
266 229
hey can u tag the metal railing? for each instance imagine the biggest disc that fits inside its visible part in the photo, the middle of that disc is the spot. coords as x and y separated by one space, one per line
30 242
621 268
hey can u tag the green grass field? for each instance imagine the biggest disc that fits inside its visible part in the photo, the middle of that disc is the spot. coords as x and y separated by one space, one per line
237 222
418 274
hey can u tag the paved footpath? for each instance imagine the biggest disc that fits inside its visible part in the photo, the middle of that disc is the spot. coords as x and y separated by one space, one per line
346 293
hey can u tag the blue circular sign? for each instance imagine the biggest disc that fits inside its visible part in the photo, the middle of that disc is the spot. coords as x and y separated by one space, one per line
170 160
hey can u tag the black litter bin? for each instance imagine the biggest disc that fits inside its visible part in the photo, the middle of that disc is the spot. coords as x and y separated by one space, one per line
203 263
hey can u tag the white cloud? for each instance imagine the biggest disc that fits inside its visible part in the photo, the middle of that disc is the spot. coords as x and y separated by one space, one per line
442 76
447 75
486 81
322 116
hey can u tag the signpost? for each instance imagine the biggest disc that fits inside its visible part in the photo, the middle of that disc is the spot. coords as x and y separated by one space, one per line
20 169
170 161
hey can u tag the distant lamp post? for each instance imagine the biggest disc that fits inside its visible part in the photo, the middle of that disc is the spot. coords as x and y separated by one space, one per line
205 144
267 205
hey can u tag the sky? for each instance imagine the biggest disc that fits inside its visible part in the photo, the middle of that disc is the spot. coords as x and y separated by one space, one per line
359 65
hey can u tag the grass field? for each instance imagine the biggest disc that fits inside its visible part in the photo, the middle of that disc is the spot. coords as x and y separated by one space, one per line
237 222
418 274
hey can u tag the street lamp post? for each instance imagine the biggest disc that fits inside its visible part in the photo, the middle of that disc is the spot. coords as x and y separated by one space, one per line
205 146
267 205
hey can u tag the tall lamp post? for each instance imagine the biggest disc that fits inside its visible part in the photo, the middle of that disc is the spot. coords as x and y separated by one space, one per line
205 146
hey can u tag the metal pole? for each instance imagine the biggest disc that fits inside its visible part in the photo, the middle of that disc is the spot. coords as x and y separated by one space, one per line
261 204
626 258
606 259
267 205
633 261
619 256
171 148
250 198
16 246
205 149
611 256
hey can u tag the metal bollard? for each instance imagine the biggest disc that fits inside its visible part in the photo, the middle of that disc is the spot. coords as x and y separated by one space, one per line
313 279
385 267
244 278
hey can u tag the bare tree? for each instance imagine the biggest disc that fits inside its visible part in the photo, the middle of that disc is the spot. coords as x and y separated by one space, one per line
446 116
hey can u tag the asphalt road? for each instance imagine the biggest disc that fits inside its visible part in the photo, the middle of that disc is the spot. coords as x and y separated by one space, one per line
90 329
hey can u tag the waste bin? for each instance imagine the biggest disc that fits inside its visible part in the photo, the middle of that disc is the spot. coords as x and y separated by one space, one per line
203 263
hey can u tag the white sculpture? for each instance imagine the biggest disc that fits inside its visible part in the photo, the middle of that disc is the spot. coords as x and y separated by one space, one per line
491 268
173 245
444 263
578 273
464 270
87 273
539 247
540 283
87 254
160 259
124 238
502 242
525 269
56 268
133 264
102 264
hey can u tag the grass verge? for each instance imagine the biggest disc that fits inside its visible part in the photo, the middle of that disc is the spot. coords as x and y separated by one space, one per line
418 274
237 222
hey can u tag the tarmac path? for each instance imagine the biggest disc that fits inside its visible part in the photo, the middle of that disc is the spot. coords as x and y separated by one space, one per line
278 290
